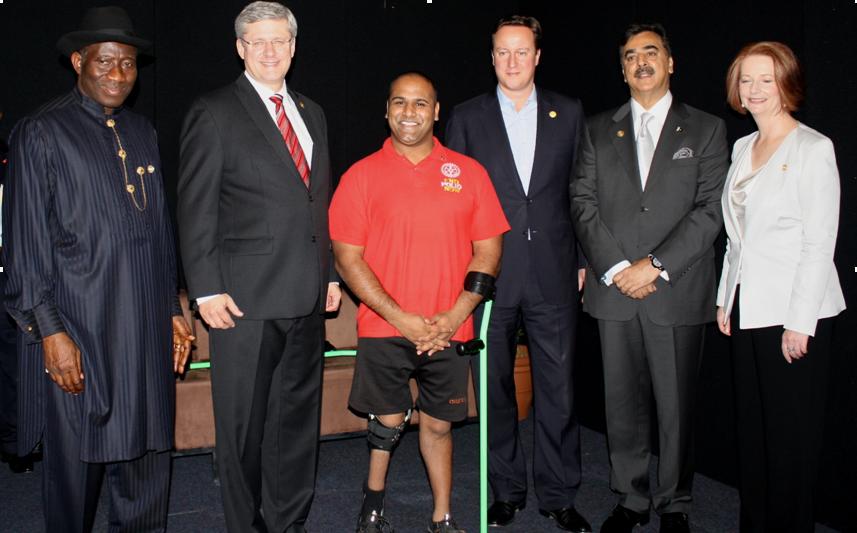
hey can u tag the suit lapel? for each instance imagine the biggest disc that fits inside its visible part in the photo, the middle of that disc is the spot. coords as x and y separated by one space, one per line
671 140
543 127
622 134
259 115
496 127
312 127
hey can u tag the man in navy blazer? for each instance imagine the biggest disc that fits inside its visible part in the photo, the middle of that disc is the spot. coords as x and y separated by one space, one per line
527 139
253 193
646 207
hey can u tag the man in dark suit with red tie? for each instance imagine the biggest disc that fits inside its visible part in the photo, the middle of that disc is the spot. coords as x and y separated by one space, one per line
526 137
253 195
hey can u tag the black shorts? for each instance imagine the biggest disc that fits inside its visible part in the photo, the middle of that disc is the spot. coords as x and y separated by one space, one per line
384 367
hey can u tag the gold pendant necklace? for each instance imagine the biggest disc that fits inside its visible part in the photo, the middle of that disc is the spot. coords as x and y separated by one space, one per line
129 187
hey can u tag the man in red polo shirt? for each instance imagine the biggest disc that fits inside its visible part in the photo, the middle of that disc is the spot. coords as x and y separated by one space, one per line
417 235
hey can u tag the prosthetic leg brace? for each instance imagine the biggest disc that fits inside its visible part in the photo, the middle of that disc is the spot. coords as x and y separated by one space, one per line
383 438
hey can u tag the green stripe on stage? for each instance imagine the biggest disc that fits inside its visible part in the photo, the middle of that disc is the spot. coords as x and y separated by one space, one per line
340 353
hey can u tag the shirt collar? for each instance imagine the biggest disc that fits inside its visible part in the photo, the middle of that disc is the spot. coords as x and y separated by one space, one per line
91 106
505 101
438 152
265 93
659 110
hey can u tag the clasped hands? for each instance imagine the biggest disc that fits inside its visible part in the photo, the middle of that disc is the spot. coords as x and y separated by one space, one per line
638 280
429 334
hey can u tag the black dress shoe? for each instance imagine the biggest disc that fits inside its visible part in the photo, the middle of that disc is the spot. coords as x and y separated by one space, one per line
674 523
503 513
18 465
623 520
568 519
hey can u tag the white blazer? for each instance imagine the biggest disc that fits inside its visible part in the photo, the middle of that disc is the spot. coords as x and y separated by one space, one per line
784 261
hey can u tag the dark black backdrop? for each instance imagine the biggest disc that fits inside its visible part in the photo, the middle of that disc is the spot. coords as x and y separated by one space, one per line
348 50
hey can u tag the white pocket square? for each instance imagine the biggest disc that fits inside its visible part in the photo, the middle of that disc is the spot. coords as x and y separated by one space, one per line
683 153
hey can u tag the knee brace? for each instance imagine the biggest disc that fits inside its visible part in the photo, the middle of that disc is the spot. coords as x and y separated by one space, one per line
384 438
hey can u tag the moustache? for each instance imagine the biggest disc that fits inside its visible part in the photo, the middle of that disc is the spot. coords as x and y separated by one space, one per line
644 70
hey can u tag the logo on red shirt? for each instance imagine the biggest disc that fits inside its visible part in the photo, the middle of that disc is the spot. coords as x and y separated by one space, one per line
450 170
451 182
451 185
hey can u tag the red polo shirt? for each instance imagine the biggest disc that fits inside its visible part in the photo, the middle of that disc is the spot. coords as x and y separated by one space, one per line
416 224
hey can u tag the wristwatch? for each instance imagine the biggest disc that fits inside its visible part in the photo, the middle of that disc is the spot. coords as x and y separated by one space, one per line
655 263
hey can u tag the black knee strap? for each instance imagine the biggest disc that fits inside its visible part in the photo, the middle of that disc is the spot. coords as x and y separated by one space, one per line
384 438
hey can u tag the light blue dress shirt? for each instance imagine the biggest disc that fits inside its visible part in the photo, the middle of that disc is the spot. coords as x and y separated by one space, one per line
521 130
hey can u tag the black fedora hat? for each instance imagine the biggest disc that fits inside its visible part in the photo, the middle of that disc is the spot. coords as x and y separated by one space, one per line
100 25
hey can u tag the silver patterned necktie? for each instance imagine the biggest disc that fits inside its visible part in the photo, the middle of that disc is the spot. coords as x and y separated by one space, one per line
645 147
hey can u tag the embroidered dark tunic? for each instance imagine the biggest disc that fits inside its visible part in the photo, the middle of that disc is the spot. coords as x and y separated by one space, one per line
84 258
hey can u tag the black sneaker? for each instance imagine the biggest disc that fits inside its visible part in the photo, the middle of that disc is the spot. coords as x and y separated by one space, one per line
374 522
447 525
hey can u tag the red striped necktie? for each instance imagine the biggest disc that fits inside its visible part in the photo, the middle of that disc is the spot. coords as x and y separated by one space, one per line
291 139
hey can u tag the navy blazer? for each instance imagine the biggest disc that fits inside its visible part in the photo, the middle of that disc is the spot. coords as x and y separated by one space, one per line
476 128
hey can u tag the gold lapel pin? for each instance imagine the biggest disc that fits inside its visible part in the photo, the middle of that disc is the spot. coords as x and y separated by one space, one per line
552 114
301 104
678 129
620 133
785 167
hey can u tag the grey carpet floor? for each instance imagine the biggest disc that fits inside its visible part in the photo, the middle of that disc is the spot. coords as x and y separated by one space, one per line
195 500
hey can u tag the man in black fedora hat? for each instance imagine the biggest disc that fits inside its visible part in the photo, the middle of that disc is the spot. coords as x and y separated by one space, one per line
89 252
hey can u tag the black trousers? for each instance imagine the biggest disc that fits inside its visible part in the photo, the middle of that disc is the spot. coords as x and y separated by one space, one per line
642 359
780 419
556 432
138 490
266 386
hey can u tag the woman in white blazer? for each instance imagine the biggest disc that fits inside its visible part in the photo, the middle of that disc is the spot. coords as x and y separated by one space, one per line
779 288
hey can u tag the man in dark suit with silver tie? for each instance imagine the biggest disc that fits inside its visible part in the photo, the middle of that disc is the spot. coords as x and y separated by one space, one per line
646 208
253 194
527 137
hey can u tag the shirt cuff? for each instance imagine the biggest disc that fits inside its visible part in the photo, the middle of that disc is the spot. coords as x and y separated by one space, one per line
202 299
607 278
48 320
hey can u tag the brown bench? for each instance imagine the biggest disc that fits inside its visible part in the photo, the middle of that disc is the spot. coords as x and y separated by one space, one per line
195 417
